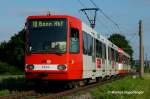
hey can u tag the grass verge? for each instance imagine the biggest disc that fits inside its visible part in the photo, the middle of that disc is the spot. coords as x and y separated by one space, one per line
11 85
128 88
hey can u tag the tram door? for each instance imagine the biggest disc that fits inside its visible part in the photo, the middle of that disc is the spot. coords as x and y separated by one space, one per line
94 58
89 66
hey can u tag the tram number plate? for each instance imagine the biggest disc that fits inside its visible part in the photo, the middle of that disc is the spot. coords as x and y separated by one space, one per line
45 67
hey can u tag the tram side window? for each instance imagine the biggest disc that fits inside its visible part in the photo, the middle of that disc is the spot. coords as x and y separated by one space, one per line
116 56
112 54
74 40
109 53
120 57
85 43
98 49
89 38
123 58
128 61
103 51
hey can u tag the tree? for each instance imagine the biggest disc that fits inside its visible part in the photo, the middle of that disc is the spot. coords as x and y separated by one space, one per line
121 42
12 52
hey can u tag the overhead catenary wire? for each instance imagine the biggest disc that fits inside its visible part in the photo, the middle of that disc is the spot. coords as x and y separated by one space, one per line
105 26
105 17
100 22
115 23
82 4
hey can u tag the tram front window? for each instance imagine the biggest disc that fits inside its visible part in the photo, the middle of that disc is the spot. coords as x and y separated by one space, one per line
47 35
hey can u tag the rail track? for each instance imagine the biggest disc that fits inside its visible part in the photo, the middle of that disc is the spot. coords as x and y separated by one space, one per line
50 93
76 90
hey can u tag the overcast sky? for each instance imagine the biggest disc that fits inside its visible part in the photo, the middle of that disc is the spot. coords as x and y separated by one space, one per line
126 13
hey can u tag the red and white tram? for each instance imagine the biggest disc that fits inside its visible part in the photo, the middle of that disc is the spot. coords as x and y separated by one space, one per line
61 47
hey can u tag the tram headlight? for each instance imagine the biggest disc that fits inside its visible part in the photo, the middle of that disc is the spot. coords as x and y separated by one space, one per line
31 67
61 67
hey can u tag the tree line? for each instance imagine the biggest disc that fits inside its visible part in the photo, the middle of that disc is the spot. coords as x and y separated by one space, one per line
12 52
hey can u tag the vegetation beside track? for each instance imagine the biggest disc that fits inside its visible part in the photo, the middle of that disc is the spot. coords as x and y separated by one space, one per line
128 88
7 69
11 84
18 86
11 79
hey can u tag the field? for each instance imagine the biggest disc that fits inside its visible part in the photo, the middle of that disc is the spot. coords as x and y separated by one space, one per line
129 88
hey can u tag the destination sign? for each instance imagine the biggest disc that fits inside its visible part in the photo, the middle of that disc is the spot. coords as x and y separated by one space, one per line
47 23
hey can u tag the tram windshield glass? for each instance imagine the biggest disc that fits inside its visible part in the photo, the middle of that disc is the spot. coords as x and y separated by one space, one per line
47 35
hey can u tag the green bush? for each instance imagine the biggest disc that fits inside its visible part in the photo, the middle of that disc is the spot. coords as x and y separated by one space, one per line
12 51
147 69
4 92
7 69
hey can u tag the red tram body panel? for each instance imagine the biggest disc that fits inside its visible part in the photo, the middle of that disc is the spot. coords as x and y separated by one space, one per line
50 62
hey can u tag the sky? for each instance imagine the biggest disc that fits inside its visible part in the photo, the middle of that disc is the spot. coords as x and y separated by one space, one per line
126 13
